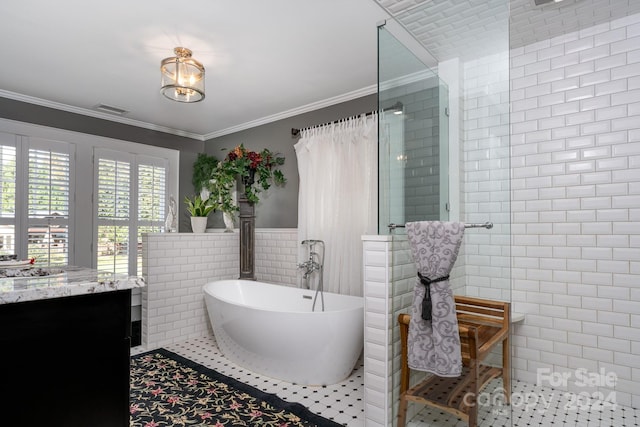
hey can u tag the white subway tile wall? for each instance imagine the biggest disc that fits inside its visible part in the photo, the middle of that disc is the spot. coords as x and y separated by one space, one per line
177 265
377 333
389 279
485 255
277 256
575 125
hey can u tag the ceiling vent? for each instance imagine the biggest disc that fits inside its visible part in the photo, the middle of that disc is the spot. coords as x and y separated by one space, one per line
110 109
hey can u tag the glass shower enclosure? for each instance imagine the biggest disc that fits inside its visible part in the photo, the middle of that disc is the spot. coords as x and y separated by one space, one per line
434 164
413 138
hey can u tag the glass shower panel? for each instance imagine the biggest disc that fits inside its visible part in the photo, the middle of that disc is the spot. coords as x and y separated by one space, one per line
453 113
413 157
443 152
413 168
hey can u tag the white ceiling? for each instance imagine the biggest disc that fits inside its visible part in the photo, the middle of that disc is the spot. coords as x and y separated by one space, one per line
263 59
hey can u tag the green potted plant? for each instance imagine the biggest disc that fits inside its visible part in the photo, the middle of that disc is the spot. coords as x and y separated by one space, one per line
203 168
257 171
199 210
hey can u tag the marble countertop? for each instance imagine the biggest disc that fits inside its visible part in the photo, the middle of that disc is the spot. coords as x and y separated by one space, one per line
71 281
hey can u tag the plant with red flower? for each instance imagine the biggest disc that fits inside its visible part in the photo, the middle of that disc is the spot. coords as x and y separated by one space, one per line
257 170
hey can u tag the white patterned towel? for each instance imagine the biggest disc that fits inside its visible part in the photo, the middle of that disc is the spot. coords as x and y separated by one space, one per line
434 340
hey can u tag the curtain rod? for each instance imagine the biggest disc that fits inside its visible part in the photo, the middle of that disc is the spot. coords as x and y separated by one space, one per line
295 133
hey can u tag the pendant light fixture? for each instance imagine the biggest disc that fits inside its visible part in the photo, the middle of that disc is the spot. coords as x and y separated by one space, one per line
182 77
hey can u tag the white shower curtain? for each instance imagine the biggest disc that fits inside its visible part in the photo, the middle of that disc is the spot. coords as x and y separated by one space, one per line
337 201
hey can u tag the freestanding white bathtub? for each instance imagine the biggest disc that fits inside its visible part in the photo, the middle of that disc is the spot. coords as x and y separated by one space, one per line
271 330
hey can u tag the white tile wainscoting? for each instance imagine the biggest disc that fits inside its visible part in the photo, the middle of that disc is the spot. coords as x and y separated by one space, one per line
388 291
377 334
277 256
177 265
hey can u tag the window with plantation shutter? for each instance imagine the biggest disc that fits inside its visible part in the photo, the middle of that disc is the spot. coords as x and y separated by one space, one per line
7 194
113 201
68 198
48 203
131 198
152 195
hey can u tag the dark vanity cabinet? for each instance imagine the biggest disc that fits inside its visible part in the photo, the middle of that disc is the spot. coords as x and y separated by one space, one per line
64 362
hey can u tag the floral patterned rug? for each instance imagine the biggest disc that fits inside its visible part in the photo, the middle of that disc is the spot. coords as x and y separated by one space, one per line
168 390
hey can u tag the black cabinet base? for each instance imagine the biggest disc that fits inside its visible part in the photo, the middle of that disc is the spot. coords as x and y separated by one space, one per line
65 361
136 333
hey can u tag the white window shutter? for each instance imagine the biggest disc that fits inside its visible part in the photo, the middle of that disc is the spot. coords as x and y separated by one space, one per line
152 197
48 205
113 201
8 177
131 200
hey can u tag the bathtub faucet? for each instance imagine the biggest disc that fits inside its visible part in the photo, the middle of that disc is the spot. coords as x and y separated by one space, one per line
309 267
314 263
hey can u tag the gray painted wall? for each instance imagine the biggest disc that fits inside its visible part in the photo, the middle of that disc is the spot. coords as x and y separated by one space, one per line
278 207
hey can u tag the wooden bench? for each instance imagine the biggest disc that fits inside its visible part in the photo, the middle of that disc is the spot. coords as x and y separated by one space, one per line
483 324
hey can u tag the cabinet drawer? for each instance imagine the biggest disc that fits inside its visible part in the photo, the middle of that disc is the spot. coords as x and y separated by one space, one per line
87 317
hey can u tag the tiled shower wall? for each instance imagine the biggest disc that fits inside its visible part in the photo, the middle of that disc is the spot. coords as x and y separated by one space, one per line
575 160
419 156
485 177
576 204
422 150
177 265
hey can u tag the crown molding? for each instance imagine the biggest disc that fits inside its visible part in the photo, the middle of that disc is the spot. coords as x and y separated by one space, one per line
369 90
96 114
295 111
243 126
